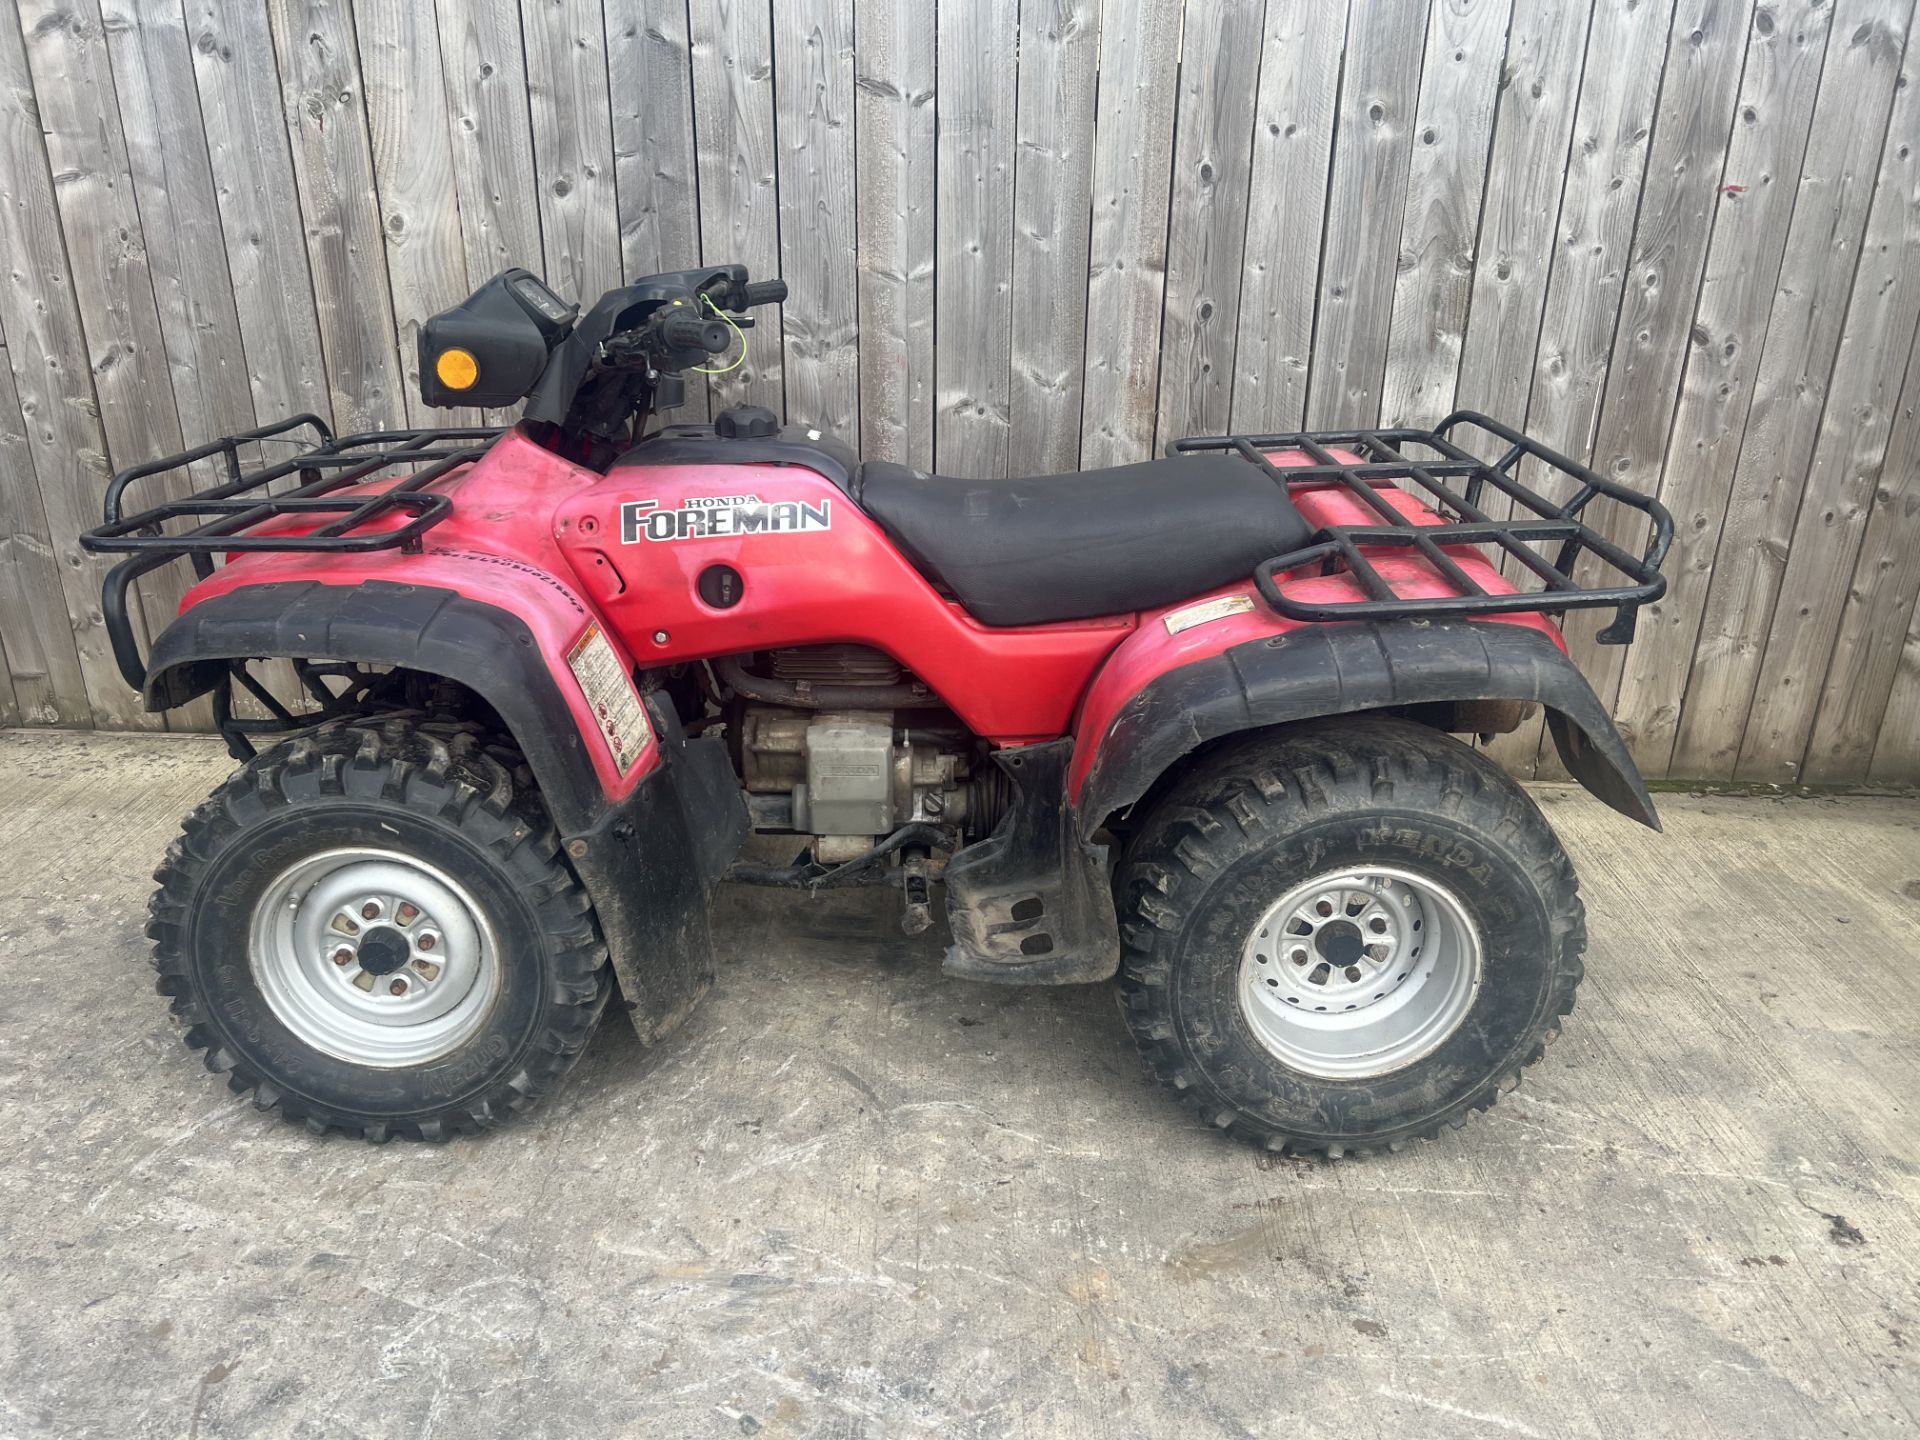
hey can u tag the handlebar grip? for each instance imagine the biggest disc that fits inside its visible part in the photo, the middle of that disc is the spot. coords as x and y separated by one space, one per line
763 292
689 332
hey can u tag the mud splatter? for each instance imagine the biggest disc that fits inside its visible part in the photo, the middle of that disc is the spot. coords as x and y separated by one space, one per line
1842 1231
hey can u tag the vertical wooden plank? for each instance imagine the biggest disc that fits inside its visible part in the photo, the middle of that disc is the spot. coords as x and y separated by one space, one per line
47 351
650 82
1300 62
1052 196
485 66
739 208
43 667
1373 143
1856 697
30 694
1705 47
173 184
894 134
813 93
186 249
233 61
1447 176
1525 174
974 220
573 145
1846 480
1207 227
1781 76
1791 388
1896 753
1541 87
243 108
1127 243
410 130
333 169
650 79
486 73
9 700
1606 166
86 149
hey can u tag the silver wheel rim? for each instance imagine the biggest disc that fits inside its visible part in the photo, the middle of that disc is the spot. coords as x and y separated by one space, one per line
374 957
1358 973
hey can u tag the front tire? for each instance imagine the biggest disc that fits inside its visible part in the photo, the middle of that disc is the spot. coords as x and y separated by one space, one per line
1347 935
372 928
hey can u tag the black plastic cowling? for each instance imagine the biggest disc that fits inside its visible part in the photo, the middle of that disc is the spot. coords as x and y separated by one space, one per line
509 325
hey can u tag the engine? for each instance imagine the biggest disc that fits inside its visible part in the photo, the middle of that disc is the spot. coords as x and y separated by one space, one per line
840 743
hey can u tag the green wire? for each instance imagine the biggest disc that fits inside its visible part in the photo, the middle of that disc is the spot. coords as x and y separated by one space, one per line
739 359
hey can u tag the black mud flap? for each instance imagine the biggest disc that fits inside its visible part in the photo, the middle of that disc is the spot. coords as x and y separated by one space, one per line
651 863
1032 904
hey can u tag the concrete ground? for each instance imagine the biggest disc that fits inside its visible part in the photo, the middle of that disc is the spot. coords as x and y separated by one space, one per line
853 1198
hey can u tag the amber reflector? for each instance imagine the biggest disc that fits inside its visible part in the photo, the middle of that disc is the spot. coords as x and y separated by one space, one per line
457 369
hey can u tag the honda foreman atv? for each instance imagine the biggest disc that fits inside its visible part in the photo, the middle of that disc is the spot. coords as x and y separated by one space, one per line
1189 721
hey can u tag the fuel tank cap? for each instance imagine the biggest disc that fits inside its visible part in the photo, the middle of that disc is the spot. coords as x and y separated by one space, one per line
746 422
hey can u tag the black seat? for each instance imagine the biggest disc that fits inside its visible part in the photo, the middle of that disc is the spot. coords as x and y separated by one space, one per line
1097 542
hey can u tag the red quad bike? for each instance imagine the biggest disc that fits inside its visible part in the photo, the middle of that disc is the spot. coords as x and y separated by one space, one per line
1188 721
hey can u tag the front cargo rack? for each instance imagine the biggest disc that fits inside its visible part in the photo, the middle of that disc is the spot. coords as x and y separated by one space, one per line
326 464
1455 483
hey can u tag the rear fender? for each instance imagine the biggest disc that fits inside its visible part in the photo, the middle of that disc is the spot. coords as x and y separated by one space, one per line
1342 669
648 837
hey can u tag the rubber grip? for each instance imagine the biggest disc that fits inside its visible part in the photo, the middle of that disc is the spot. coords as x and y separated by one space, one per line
689 332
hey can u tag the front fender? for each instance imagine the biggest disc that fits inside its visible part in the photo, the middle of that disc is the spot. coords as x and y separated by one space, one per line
648 841
1343 669
492 651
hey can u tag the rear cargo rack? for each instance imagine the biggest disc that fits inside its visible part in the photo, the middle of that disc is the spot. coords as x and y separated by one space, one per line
326 465
1455 483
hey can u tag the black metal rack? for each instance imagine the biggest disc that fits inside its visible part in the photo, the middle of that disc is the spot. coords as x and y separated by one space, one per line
1438 457
326 465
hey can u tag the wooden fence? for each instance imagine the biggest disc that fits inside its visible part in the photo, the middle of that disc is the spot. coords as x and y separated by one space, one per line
1678 237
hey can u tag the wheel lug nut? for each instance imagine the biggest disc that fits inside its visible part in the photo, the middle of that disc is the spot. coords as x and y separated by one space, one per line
427 942
370 910
398 987
343 956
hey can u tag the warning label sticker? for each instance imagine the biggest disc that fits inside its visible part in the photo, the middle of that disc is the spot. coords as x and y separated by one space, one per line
1192 615
610 693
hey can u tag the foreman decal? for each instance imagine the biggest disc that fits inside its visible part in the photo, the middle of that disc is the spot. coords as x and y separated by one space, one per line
708 515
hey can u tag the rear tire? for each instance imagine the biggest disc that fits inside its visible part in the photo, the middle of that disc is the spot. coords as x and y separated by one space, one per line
372 928
1344 936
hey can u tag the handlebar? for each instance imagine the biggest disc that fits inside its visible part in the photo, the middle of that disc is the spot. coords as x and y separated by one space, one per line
675 334
689 332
